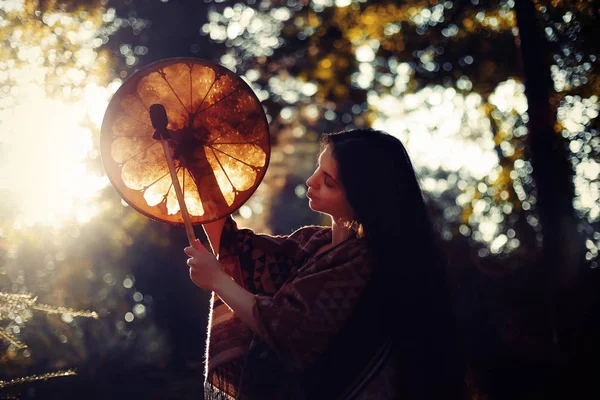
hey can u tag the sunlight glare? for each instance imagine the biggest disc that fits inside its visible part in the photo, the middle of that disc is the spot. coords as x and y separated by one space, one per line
45 146
441 128
11 5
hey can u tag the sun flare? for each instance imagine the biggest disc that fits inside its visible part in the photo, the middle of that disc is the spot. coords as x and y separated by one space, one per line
55 88
45 145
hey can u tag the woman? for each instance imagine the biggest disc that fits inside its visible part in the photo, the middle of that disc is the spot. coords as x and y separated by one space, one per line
358 310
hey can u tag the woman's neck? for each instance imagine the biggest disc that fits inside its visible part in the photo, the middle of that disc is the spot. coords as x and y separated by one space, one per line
339 232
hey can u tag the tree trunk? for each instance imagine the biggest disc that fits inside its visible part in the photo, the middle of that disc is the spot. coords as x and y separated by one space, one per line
552 173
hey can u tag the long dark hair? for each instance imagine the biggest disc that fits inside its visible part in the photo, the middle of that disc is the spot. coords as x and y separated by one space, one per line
410 273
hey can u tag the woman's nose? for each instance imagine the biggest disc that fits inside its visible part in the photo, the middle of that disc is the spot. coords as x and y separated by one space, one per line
310 180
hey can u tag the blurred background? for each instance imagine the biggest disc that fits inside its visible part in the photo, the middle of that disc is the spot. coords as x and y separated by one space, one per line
496 101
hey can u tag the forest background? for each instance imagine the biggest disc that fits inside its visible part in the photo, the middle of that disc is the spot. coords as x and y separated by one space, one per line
496 101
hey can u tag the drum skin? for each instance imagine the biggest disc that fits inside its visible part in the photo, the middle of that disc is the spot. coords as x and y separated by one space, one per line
218 137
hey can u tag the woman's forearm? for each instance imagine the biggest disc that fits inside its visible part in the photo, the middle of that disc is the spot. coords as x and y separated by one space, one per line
238 299
208 273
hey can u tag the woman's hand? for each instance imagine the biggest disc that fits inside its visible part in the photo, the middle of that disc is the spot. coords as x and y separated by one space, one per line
205 270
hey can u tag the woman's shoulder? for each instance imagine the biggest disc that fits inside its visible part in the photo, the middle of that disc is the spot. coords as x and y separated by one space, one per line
231 223
312 229
300 236
308 232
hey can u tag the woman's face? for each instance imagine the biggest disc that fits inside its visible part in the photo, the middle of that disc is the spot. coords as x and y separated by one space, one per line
325 191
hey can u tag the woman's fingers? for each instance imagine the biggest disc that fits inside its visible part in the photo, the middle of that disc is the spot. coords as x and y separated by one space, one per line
198 254
195 263
196 249
192 252
199 246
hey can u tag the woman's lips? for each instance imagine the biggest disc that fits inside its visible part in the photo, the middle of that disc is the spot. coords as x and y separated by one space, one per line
310 195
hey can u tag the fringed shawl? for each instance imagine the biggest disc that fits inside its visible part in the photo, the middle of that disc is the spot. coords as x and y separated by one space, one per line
314 312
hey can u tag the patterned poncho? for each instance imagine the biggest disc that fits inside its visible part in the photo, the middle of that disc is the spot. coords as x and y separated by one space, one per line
321 335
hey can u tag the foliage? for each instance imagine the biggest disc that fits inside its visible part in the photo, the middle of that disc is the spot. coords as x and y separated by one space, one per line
443 76
432 73
65 237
